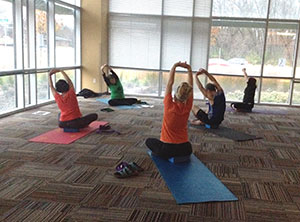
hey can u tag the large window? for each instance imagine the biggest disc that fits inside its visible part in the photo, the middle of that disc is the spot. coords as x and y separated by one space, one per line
7 93
148 37
280 48
223 36
296 96
6 35
65 36
41 14
235 45
36 36
240 8
139 82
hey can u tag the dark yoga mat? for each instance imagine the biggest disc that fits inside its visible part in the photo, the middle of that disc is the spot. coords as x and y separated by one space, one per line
192 182
260 110
228 133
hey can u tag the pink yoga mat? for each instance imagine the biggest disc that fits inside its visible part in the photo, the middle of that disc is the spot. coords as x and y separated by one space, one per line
58 136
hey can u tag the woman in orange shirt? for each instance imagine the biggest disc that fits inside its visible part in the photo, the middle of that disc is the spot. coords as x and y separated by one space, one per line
174 134
65 97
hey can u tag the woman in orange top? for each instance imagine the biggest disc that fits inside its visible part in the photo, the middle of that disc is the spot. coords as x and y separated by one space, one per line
174 136
65 97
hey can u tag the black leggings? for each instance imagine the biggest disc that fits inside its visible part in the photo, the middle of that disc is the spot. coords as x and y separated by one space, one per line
203 117
122 102
168 150
78 123
244 107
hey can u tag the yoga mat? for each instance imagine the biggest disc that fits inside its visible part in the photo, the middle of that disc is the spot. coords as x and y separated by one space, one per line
134 106
228 133
259 110
192 182
58 136
105 100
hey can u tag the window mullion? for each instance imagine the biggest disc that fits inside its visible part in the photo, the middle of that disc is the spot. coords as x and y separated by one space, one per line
19 50
264 52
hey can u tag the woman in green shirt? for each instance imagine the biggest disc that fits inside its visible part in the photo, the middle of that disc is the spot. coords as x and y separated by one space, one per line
114 84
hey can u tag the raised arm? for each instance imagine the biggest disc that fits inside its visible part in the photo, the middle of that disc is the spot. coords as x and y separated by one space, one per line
171 79
199 84
69 81
52 72
211 78
113 73
106 80
190 73
245 74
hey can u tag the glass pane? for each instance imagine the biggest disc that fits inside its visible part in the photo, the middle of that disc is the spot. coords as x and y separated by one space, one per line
65 36
280 49
70 73
6 35
235 45
7 93
136 6
275 91
176 41
42 87
178 7
202 8
25 35
296 95
27 89
234 87
200 43
179 78
139 82
73 2
285 9
41 33
297 74
240 8
29 84
135 41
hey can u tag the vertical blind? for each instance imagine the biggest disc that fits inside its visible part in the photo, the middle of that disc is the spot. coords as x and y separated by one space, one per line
155 34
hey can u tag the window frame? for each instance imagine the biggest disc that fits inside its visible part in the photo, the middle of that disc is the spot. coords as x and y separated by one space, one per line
260 77
20 69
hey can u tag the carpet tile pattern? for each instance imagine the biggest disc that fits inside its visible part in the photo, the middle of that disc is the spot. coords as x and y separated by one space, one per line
48 182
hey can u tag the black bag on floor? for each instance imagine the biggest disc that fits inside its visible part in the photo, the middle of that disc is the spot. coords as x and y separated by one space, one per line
87 93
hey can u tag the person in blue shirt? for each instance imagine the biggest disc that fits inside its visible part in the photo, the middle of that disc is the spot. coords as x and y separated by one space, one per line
216 102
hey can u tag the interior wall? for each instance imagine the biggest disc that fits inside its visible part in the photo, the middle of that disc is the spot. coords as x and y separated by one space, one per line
94 43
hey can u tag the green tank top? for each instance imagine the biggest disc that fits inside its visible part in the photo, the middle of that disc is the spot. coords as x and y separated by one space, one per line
116 91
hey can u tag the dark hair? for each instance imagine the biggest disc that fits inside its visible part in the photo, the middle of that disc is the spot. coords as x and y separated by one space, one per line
252 81
62 86
211 87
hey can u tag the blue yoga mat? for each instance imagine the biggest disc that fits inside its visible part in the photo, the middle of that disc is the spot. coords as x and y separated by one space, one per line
192 182
105 100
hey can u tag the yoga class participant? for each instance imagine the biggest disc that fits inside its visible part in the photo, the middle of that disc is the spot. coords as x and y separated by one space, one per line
114 84
216 102
174 133
65 97
249 94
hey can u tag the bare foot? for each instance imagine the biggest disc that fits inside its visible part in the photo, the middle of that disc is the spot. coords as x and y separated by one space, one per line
196 122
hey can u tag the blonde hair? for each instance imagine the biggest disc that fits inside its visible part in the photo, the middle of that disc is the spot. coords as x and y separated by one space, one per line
183 92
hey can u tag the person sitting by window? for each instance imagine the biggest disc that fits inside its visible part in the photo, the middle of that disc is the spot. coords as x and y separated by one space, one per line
216 102
114 84
249 95
65 97
174 134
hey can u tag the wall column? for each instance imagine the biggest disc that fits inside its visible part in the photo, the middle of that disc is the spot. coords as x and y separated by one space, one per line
94 42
